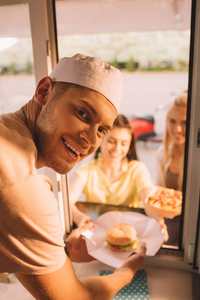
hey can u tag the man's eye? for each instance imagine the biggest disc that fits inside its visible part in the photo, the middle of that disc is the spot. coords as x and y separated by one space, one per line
102 132
82 113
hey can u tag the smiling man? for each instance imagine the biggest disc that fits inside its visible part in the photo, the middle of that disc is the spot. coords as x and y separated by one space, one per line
80 119
72 109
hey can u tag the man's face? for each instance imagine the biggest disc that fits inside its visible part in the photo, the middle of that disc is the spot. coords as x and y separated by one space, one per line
71 128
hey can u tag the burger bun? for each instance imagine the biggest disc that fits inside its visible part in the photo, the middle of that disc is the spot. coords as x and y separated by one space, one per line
122 237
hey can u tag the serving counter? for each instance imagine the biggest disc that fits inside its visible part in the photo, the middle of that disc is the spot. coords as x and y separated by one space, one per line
163 283
94 210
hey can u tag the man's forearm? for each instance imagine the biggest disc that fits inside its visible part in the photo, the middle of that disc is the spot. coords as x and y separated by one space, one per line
63 283
106 287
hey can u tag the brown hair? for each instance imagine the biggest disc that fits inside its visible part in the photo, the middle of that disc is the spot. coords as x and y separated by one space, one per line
62 87
122 122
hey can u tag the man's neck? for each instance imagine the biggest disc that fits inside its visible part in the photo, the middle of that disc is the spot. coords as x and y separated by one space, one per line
31 111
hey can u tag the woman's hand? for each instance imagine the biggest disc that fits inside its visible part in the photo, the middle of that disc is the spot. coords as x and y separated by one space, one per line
160 220
164 229
81 219
86 223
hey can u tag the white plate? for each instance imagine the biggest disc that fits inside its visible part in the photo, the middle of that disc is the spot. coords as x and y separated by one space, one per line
149 231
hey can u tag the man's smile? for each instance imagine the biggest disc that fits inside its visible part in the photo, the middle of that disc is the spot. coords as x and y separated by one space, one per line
77 153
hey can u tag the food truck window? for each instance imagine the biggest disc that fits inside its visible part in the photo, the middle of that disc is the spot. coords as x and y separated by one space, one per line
150 42
17 79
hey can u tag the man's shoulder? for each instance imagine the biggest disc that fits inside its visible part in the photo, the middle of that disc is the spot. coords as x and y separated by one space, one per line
13 127
18 150
12 123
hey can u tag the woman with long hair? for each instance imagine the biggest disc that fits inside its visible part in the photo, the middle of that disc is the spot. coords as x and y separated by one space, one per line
115 176
171 153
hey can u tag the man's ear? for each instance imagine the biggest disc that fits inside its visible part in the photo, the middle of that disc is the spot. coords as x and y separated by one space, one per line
43 88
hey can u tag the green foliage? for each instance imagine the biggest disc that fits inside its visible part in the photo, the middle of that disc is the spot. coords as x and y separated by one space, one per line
29 67
12 69
130 65
115 64
159 66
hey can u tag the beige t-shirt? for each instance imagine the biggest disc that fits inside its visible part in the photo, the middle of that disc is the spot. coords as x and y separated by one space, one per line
31 234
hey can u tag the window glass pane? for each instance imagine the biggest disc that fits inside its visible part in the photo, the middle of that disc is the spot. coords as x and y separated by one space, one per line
17 80
149 41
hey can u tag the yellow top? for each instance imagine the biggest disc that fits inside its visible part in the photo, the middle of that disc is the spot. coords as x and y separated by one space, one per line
124 191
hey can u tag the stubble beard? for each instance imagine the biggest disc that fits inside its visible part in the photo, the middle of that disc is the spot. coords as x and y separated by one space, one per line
47 138
47 155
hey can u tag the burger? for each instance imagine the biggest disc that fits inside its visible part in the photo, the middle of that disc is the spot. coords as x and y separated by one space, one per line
122 237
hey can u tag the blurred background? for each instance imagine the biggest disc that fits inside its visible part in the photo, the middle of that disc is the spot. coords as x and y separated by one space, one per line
148 40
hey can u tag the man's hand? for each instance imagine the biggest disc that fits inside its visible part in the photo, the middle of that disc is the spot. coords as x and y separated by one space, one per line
76 247
133 262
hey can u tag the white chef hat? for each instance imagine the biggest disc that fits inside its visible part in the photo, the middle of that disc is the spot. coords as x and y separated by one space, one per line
92 73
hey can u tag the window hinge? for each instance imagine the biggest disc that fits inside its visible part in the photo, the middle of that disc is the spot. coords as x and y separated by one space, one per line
191 248
198 138
59 186
48 47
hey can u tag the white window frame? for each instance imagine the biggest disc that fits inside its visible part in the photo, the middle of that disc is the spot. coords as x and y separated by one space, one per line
43 33
193 160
